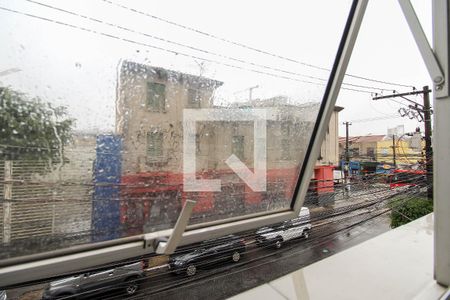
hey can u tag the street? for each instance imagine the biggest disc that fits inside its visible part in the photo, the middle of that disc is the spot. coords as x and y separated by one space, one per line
258 265
267 264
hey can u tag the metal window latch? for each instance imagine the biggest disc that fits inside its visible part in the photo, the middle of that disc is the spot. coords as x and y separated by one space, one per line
167 245
428 55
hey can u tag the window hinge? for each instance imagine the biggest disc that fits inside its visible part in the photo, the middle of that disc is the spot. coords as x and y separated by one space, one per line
428 56
167 245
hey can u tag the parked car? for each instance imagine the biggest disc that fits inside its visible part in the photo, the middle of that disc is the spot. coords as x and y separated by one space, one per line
126 277
211 252
288 230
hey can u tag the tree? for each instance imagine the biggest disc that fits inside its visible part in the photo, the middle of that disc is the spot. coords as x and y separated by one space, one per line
406 210
32 129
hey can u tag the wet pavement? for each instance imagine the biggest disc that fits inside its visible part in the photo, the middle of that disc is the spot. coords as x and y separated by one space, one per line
272 264
258 265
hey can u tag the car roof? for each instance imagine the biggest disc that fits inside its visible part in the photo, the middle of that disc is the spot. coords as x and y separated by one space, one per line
227 237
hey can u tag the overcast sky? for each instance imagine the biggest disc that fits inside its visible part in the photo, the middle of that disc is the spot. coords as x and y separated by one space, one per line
78 68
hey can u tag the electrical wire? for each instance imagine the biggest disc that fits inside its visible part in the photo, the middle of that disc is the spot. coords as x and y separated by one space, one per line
243 45
386 117
195 48
85 29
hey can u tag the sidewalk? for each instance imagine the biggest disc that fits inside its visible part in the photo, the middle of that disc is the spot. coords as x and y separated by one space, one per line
395 265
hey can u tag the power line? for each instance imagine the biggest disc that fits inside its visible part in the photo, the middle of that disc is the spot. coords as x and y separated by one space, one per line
398 95
210 35
396 101
169 50
169 41
195 48
399 102
376 118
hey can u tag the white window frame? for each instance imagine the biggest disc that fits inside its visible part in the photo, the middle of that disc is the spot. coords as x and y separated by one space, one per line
437 61
66 261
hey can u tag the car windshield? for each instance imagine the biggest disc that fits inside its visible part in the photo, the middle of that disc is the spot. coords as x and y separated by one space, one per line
114 113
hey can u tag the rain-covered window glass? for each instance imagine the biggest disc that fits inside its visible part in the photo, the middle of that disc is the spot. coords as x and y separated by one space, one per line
285 140
285 148
238 146
194 98
156 96
371 152
114 113
197 144
155 146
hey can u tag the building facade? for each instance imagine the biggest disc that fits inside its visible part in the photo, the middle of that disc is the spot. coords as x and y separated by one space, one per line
149 114
380 148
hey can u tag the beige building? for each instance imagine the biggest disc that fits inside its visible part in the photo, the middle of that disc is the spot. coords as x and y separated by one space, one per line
329 152
150 109
149 114
150 104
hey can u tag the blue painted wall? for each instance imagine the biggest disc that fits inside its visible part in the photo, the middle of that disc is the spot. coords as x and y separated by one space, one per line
106 197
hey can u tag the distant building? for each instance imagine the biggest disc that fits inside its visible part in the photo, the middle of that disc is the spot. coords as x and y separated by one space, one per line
329 151
380 148
363 147
149 114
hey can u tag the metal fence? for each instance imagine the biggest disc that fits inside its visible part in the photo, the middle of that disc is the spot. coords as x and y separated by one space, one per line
37 203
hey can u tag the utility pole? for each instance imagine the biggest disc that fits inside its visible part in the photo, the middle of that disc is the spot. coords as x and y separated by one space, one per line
250 92
347 153
428 149
394 158
347 160
424 110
